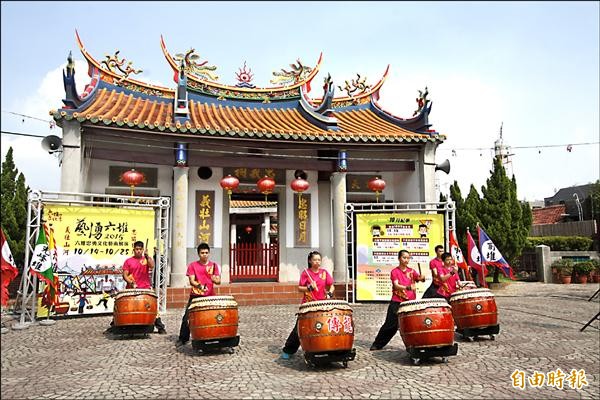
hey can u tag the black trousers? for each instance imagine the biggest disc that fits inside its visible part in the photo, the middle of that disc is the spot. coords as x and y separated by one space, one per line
389 327
184 331
292 344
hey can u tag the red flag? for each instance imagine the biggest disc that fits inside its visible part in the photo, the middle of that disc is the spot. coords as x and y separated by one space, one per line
9 270
458 255
475 260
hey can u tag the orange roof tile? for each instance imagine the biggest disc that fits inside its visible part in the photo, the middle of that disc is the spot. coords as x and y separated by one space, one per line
548 215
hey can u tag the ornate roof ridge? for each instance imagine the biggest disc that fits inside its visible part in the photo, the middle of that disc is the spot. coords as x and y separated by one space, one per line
210 87
122 80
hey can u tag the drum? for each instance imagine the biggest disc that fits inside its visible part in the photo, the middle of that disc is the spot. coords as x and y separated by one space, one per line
325 325
135 307
213 317
426 323
466 285
474 308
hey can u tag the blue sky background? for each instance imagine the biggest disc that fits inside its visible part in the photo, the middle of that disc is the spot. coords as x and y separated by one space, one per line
532 65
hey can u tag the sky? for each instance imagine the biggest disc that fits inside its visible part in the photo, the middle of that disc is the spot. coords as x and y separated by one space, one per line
530 67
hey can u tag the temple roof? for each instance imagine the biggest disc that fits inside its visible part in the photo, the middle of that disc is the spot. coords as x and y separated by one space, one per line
112 98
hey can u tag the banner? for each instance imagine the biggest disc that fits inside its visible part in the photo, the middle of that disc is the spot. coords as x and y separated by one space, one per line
379 238
92 243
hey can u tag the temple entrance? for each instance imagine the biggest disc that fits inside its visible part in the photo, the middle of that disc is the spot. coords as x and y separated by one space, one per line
254 238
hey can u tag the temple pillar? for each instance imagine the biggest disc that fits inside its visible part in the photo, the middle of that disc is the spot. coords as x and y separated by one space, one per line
427 173
180 210
70 173
338 193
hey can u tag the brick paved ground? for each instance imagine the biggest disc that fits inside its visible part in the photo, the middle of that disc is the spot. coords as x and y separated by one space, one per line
539 332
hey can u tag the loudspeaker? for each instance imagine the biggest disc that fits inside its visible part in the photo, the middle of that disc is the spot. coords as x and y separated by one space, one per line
444 166
51 143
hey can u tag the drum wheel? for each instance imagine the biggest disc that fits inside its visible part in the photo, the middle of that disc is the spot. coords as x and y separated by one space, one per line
469 338
492 337
230 350
445 360
345 364
416 361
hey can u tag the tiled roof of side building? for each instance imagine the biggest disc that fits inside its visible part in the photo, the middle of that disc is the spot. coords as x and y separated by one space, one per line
548 215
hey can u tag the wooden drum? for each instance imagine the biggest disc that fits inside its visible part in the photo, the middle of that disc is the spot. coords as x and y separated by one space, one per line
213 317
325 325
474 309
135 307
426 323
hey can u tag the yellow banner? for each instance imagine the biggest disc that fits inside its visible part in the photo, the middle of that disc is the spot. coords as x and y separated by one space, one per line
92 243
380 237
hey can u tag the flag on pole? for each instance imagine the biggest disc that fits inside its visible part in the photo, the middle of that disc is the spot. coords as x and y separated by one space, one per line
490 255
41 260
457 254
9 270
475 260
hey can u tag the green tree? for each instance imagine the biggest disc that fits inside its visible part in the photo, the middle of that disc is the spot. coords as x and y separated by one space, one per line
466 212
505 219
13 207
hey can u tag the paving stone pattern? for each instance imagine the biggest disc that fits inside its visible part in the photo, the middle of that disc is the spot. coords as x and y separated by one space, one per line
539 331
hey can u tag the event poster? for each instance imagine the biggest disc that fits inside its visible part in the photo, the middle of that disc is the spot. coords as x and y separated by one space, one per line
379 238
91 245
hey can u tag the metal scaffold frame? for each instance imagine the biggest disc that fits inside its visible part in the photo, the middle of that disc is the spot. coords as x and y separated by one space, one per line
422 207
35 205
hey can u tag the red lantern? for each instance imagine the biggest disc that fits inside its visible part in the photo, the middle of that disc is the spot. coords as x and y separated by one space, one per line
248 229
229 183
132 178
299 185
377 185
266 185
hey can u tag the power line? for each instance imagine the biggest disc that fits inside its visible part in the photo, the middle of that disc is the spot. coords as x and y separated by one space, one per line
28 116
539 146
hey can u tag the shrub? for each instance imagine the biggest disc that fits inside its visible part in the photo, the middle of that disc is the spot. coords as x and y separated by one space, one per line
584 267
564 266
561 243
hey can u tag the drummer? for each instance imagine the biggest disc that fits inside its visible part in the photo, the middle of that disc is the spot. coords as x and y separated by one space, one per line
446 277
315 284
203 275
403 289
136 272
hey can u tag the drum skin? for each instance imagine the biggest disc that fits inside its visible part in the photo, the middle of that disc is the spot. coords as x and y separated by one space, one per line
432 326
474 309
213 320
326 328
135 309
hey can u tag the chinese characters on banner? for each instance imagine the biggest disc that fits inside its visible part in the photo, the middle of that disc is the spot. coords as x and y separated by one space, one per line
92 243
379 239
205 201
302 220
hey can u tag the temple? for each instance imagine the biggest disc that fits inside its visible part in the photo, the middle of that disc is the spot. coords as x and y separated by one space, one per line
318 148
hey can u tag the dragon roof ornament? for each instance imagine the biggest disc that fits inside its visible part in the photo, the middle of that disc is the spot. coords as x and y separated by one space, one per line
199 69
115 65
355 85
297 73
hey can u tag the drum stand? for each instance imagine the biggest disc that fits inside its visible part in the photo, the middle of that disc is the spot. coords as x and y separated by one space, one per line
214 344
596 317
132 330
470 333
422 353
327 357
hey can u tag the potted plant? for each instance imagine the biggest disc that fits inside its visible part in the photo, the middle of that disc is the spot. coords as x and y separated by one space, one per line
564 268
583 269
595 274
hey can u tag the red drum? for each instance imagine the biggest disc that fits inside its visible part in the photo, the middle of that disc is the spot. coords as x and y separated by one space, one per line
474 308
213 317
426 323
135 307
325 325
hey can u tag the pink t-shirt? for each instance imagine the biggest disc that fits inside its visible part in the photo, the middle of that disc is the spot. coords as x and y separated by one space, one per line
138 267
404 279
323 280
435 263
203 273
449 286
